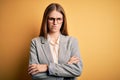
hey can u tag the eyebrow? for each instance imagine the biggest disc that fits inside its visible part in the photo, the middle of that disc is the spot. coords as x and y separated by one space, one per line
54 17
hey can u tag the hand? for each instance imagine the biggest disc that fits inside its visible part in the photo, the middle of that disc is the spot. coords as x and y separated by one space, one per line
74 59
36 68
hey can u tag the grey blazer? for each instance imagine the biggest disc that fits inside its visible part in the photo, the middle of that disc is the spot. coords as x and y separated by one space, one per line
40 54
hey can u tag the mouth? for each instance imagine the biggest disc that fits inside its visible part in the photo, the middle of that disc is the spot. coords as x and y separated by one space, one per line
54 25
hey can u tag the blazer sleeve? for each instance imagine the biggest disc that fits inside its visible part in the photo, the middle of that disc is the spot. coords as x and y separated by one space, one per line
33 59
33 53
68 70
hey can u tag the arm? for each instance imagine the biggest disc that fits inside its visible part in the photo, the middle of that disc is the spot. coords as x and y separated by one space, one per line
71 69
38 68
33 60
67 70
33 53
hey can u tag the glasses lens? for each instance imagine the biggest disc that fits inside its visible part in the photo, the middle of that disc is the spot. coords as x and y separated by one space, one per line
59 20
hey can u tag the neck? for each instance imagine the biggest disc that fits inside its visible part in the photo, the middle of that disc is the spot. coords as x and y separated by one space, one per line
54 35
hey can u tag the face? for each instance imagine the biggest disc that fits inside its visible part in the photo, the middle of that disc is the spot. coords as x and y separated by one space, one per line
55 20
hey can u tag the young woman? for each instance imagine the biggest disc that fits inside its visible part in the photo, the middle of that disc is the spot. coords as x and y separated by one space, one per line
54 55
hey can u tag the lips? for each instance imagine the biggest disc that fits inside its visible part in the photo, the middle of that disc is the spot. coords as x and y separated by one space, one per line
54 26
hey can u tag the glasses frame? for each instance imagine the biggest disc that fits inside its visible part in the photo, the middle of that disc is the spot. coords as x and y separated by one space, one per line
52 20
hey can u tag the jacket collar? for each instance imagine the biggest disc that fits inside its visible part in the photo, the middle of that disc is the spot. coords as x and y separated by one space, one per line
44 40
47 51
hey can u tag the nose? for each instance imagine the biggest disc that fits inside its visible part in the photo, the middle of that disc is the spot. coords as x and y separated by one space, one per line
55 21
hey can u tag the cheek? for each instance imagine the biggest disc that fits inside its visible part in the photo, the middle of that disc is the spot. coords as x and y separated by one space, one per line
49 25
60 25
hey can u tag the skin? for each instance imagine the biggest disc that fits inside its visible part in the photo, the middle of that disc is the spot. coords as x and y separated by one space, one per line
54 32
54 27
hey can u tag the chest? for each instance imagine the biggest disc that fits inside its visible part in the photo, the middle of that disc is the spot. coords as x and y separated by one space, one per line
45 55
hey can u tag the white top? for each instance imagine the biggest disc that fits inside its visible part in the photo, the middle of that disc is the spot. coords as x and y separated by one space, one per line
54 47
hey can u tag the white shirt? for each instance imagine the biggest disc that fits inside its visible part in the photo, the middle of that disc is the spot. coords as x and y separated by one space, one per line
54 47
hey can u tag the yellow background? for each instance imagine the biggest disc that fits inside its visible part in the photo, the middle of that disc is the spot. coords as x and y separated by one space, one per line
95 23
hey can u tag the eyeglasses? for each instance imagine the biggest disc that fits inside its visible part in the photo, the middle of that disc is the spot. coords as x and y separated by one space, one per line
59 20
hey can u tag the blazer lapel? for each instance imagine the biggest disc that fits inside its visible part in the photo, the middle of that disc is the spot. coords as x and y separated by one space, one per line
46 49
62 50
62 57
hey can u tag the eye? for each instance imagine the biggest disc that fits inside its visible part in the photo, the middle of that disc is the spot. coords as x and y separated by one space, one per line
52 19
59 19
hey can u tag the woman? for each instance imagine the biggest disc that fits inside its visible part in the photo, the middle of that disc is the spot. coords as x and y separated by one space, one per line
54 55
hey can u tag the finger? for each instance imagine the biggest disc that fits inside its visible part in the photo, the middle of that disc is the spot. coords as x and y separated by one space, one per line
69 63
74 58
35 72
32 71
29 69
32 67
77 58
76 61
71 59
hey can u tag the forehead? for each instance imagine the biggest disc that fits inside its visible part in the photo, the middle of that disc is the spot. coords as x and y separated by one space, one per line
55 14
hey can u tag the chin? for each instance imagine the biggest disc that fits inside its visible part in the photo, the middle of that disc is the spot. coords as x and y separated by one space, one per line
54 31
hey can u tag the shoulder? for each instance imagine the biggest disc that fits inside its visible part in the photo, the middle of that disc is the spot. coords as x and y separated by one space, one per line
37 39
73 38
73 42
70 39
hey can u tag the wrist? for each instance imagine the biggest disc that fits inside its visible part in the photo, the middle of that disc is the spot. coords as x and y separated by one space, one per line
46 67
